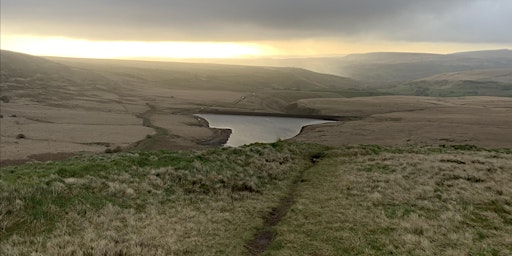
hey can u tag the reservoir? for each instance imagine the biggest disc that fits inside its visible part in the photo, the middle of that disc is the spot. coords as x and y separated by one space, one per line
251 129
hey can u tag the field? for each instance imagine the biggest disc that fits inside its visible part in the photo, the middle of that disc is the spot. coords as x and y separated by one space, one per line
277 199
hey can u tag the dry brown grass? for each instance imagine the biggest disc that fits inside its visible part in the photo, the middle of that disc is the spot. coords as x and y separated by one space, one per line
362 200
391 120
216 226
161 203
412 203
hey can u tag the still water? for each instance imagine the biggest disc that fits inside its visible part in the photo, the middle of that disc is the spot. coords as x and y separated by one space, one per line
250 129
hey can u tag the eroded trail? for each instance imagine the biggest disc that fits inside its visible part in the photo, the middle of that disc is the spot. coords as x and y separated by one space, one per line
267 233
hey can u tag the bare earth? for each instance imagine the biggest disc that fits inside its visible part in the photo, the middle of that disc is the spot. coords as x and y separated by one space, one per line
400 120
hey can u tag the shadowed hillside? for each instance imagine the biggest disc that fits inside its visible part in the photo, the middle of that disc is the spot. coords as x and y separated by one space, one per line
395 67
37 69
489 82
166 74
210 76
54 79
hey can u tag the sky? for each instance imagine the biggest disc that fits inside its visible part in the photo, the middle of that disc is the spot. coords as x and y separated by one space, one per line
251 28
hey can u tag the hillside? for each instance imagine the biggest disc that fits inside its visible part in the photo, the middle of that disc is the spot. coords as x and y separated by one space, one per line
487 82
51 79
35 70
210 76
396 67
23 73
384 68
504 54
496 75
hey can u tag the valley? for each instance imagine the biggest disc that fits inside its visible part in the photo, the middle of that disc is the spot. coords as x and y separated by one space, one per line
65 106
108 157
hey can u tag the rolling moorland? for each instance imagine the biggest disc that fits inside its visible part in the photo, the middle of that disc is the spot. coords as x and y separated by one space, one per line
104 157
392 68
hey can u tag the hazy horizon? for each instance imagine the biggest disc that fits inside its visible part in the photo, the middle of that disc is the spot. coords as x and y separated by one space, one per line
227 29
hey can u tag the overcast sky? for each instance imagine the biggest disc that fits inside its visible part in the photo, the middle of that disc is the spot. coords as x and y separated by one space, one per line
456 21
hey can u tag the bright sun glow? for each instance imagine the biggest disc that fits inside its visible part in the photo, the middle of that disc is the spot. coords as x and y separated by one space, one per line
66 47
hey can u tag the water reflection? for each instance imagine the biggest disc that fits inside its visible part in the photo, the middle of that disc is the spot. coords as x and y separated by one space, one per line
250 129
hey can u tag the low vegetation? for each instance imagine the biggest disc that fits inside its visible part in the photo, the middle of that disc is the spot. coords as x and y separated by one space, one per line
146 203
360 200
371 200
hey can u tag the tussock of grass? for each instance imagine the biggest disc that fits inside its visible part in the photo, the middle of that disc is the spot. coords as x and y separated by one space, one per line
369 200
357 200
146 203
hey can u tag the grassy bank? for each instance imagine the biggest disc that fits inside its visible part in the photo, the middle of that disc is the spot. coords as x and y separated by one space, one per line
365 200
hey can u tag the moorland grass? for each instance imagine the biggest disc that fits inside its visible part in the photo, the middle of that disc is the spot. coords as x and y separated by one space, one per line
145 203
354 200
371 200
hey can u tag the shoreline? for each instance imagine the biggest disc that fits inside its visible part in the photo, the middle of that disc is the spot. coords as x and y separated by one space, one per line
219 136
217 139
160 140
224 140
273 114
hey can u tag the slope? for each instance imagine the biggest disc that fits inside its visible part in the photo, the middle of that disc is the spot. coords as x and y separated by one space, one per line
210 76
399 67
488 82
381 68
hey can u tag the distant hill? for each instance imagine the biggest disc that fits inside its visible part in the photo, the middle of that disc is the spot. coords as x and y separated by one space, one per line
55 80
458 74
400 67
210 76
494 54
167 74
389 58
384 68
495 75
488 82
23 66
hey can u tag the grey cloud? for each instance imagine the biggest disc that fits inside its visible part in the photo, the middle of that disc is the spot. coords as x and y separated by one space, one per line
232 20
